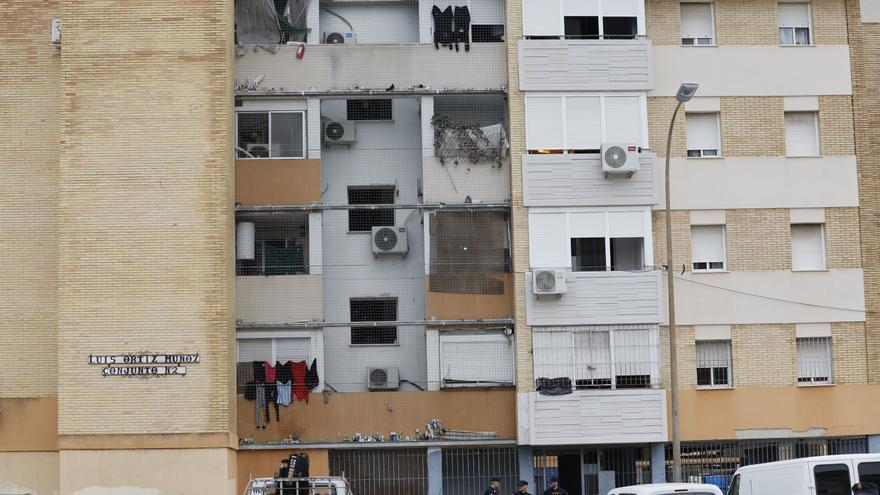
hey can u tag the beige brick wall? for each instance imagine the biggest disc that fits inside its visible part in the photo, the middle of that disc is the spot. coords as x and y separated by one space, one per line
864 44
745 22
842 243
681 238
752 126
686 357
763 355
836 134
29 123
660 110
848 349
146 237
758 240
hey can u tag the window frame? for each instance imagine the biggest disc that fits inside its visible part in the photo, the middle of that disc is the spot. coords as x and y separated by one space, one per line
818 143
811 381
273 338
349 110
702 151
823 243
809 26
348 191
708 268
713 41
305 132
728 351
373 326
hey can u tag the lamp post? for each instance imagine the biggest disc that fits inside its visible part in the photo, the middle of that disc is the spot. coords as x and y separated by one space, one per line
685 92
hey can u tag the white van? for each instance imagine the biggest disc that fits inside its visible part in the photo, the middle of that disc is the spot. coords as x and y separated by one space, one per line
668 489
825 475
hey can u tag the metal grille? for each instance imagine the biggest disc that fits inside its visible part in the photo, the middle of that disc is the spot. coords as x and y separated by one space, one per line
468 471
592 471
715 462
382 472
714 364
814 360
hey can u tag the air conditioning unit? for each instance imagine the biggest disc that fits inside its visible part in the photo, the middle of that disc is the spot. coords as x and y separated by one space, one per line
390 240
341 38
383 378
548 283
341 132
619 159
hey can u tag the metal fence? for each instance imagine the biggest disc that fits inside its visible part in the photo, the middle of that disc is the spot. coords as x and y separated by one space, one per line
382 471
592 471
468 471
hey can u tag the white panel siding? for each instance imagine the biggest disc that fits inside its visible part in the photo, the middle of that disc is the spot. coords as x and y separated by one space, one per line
326 67
599 298
589 417
585 65
577 180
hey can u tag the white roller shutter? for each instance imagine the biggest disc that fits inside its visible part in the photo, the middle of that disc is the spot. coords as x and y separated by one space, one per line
623 120
707 243
542 17
801 135
592 355
552 354
544 122
620 8
482 358
583 117
794 15
581 8
626 224
807 247
632 352
586 224
254 350
702 131
294 349
696 20
547 238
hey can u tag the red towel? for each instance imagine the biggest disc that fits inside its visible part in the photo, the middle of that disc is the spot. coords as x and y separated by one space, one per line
270 372
300 389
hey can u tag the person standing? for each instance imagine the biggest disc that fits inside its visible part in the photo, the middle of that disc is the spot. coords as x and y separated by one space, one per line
522 488
555 489
283 473
494 485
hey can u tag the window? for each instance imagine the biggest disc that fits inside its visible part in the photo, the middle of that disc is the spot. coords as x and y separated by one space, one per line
476 359
368 109
468 249
832 479
794 24
697 24
270 134
588 254
627 254
801 133
272 244
272 350
582 27
487 33
373 310
620 28
869 472
713 363
708 249
808 247
814 360
364 220
703 135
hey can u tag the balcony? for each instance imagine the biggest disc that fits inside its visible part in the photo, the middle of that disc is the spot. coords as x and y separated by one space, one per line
577 180
599 298
591 417
585 65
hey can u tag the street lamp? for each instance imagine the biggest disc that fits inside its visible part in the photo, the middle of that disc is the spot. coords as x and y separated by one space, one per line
685 92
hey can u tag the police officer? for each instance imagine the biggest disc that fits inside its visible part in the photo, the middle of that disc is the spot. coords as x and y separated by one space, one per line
522 488
494 485
865 488
554 488
283 472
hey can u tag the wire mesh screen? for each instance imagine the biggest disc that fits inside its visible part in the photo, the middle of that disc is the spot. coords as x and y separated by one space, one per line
715 462
468 471
382 471
592 471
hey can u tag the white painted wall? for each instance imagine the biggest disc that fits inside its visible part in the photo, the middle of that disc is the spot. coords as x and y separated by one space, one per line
373 22
740 70
761 182
735 298
386 153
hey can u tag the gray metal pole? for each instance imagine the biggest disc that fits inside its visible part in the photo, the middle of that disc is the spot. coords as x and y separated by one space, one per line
670 279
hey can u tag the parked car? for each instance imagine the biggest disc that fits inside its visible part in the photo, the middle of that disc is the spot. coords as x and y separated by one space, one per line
830 474
668 489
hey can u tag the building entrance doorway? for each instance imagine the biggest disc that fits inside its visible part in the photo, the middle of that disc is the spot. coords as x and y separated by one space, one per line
592 471
570 473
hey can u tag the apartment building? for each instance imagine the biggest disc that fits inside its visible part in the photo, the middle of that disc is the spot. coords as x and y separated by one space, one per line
425 214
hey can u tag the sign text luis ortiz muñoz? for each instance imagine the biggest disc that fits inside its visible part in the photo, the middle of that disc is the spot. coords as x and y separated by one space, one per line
144 364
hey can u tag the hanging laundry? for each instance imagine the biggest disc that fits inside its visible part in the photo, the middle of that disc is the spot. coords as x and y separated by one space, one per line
259 372
261 406
312 378
283 393
270 372
443 20
300 389
463 27
284 372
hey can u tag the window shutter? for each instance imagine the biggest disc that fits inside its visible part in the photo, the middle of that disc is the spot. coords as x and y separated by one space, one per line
552 354
544 122
800 134
584 122
474 357
254 350
632 352
581 8
622 120
292 349
592 355
806 247
620 8
547 237
702 131
696 20
542 17
707 243
794 15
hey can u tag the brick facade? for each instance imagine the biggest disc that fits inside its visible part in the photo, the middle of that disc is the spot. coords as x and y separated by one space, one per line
836 134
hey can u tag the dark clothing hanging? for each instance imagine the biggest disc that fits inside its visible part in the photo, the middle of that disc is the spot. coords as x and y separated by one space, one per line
463 27
300 389
312 378
283 372
443 19
250 390
259 372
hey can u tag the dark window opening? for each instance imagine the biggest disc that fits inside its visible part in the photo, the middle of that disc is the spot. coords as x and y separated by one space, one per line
705 376
869 472
832 479
253 134
588 254
469 250
632 381
364 220
582 28
279 246
627 254
368 109
487 33
620 28
592 383
373 310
